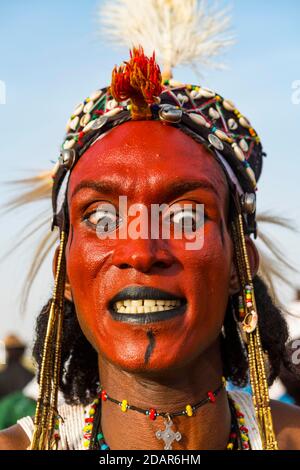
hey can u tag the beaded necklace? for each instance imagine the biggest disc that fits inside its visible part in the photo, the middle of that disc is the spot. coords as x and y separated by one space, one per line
94 438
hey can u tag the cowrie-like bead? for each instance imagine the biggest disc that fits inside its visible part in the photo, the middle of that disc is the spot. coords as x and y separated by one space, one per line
213 113
85 119
228 105
88 106
238 152
207 93
244 122
95 95
78 109
74 123
198 119
244 145
68 144
232 124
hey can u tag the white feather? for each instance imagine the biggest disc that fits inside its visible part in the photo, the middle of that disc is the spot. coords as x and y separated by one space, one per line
181 32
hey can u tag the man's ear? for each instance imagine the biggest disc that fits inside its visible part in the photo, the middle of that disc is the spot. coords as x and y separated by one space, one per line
68 292
253 257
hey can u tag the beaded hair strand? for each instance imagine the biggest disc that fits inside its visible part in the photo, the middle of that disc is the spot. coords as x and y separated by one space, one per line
46 410
248 323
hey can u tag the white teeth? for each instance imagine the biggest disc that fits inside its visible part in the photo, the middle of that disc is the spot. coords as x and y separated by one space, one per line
144 305
154 309
149 303
137 303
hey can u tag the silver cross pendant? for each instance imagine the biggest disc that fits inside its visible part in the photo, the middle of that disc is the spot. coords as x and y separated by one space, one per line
168 435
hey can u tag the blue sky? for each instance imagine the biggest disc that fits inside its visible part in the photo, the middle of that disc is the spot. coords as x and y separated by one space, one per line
51 58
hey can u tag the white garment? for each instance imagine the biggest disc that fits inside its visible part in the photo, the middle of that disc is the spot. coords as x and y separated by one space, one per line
71 430
31 390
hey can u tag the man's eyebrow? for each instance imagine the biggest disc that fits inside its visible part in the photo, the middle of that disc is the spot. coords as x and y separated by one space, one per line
104 187
179 188
174 190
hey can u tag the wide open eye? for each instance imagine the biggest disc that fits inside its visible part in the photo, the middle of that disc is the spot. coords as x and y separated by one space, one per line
187 219
103 219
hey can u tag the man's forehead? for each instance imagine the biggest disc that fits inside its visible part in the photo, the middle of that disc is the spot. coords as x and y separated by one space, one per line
127 158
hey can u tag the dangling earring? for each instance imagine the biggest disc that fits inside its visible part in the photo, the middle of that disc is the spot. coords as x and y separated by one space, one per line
46 410
248 320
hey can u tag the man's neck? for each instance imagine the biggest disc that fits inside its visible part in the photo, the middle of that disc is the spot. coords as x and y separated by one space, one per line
170 392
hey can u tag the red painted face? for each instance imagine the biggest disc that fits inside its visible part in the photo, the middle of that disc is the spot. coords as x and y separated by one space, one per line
145 160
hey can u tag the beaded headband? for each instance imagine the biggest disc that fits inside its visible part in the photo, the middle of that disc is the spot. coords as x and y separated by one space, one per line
137 93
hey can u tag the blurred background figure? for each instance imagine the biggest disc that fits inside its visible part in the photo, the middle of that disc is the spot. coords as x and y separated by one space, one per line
18 404
14 376
15 400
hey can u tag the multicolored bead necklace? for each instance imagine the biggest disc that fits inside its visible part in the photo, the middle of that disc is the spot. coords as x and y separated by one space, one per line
152 413
167 435
94 438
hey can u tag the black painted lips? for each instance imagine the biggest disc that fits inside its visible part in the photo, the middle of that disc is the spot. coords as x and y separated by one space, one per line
143 292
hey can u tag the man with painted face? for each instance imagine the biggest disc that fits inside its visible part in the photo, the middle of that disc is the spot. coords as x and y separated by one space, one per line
142 333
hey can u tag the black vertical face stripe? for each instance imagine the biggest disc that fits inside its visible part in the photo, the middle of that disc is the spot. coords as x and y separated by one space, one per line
150 346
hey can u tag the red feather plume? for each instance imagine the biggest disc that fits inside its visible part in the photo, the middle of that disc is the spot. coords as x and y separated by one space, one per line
138 80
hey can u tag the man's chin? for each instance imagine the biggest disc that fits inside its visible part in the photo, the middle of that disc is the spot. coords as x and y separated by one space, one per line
152 368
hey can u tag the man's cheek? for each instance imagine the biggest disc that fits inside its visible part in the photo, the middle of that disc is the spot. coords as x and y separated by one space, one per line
86 253
79 267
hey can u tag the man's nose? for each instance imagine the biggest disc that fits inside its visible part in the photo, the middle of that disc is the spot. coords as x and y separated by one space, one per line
142 255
